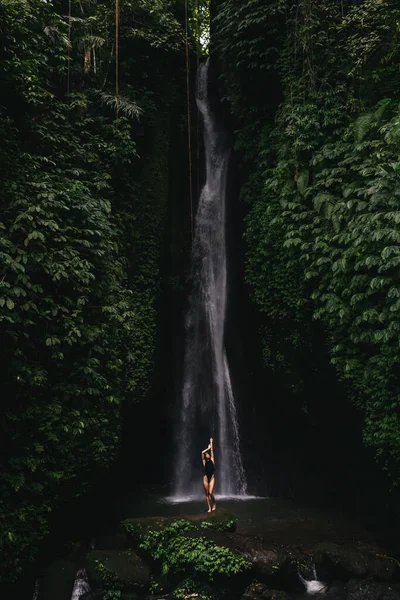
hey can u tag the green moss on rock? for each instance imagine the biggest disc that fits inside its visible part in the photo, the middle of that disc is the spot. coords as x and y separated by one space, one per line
138 529
180 550
120 570
193 590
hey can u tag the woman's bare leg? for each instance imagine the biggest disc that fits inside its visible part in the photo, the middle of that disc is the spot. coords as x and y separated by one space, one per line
206 489
211 492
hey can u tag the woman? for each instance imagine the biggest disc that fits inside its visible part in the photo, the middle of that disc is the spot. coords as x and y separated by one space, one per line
207 458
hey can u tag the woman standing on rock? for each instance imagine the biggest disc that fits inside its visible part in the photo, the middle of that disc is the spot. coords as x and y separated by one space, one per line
207 458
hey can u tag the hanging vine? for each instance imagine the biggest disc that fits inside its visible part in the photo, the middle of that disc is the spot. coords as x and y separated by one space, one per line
116 61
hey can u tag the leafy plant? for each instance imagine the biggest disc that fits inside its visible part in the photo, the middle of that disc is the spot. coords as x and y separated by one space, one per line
320 155
177 553
81 233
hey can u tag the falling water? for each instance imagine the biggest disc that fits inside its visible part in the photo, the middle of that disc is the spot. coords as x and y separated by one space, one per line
207 401
81 585
36 590
313 586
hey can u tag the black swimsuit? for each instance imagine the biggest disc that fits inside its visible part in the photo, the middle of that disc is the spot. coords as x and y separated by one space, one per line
209 469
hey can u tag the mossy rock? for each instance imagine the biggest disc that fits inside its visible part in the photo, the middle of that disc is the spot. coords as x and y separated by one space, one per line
137 529
221 520
195 591
123 570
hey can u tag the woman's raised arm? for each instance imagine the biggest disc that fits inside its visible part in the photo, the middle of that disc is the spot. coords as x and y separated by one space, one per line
203 460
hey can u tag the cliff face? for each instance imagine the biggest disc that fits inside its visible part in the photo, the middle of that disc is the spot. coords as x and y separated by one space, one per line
86 197
298 80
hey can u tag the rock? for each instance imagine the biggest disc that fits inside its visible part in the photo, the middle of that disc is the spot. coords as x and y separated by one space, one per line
123 568
335 591
259 591
275 595
57 581
124 596
369 589
255 591
275 566
338 562
265 561
383 567
341 562
222 520
116 541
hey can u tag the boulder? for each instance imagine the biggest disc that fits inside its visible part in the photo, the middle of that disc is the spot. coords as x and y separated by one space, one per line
275 595
123 569
259 591
368 589
341 562
383 568
115 541
336 591
136 529
338 562
278 567
57 581
255 591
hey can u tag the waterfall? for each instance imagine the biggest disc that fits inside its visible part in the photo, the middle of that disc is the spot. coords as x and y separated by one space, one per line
207 401
313 586
81 585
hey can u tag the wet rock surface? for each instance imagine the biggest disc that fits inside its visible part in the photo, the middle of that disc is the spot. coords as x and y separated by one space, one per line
120 568
343 562
57 581
259 591
369 589
280 541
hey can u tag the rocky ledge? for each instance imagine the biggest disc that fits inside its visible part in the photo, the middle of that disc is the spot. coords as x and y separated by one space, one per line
207 557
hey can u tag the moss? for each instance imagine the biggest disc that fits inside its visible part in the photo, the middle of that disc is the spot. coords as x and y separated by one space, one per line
180 550
193 550
118 570
137 529
192 589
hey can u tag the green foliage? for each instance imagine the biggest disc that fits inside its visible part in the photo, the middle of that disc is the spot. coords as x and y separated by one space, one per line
119 570
81 231
189 588
137 529
322 188
111 594
199 24
177 553
110 583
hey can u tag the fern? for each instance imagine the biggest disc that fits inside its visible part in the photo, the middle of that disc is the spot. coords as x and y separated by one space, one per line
126 106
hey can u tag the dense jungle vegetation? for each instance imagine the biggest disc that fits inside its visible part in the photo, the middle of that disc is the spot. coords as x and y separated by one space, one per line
314 89
86 156
85 178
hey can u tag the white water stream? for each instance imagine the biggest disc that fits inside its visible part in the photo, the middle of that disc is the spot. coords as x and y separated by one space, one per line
81 585
313 586
207 402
